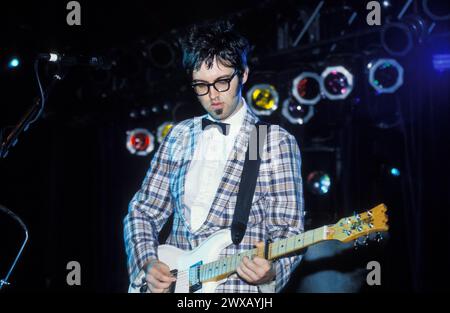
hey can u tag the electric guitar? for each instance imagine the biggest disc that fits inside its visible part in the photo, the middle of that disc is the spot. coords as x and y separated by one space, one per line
201 270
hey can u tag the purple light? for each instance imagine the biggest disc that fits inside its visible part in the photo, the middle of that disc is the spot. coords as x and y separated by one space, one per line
441 62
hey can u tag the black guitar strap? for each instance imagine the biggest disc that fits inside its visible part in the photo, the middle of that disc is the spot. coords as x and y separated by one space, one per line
247 184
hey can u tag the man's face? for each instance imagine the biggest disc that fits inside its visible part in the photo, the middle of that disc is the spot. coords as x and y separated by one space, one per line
219 105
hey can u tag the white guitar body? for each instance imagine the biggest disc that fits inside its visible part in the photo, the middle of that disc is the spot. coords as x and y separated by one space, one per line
182 261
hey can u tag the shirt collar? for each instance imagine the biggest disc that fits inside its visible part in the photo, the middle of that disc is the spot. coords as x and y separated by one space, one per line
236 119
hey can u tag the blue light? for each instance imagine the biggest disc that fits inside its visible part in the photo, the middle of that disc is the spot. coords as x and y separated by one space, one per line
386 4
441 62
395 172
319 183
14 63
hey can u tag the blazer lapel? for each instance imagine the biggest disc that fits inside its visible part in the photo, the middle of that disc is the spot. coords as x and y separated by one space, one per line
233 170
188 145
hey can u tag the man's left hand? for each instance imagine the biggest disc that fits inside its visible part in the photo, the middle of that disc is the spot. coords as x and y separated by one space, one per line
257 271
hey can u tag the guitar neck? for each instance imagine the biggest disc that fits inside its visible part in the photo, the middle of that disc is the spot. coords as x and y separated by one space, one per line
222 268
290 245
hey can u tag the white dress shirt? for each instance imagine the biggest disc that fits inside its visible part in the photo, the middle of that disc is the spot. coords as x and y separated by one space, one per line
207 166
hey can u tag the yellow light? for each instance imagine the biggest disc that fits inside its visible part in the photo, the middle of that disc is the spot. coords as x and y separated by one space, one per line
263 99
163 130
166 130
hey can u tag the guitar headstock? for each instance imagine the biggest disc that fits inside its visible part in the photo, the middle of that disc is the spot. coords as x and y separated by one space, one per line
352 227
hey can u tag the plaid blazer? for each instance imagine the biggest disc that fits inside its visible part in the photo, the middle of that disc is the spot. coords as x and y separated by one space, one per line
276 211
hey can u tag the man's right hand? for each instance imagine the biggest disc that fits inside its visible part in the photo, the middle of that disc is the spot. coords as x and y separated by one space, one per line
158 276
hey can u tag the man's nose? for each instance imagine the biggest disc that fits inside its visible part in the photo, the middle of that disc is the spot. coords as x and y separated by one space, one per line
213 93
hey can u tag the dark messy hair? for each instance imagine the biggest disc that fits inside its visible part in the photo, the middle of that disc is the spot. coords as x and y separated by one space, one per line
218 39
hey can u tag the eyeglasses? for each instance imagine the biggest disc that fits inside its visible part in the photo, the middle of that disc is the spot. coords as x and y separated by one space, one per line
220 85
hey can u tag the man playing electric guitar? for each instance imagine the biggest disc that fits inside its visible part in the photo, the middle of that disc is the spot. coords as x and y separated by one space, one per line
195 175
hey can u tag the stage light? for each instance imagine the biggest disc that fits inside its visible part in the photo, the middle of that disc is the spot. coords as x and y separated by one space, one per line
296 113
140 141
437 10
395 172
161 54
318 182
167 106
263 99
337 82
306 88
385 75
398 38
145 112
386 3
134 113
13 63
441 62
163 130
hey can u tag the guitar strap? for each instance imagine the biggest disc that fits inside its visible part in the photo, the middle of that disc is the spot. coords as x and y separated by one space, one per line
248 184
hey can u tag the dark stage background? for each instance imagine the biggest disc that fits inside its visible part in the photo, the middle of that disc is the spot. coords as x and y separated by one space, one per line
70 176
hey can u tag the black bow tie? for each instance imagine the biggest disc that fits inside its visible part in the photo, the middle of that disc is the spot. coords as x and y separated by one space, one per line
224 127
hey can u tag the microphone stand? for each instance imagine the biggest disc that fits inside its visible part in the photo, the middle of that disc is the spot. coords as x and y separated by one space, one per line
4 281
27 119
30 116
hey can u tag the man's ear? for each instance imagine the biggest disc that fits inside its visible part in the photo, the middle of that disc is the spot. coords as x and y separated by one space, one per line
245 75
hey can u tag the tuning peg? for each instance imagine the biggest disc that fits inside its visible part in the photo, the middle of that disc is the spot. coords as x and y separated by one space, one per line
369 213
366 240
359 228
378 237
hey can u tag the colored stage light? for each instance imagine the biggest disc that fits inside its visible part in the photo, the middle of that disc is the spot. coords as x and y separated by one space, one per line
318 182
385 75
163 130
263 99
140 141
441 62
296 113
337 82
306 88
395 172
13 63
